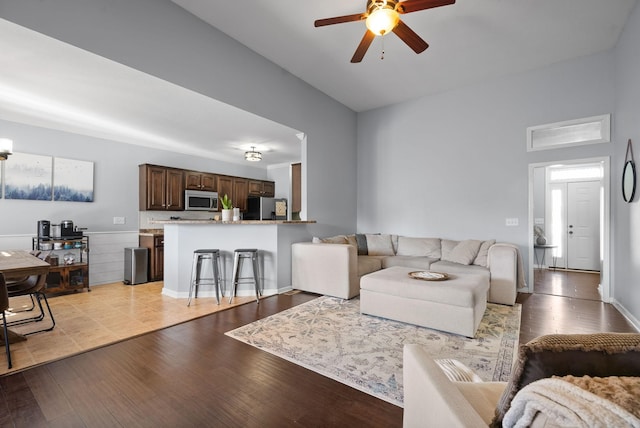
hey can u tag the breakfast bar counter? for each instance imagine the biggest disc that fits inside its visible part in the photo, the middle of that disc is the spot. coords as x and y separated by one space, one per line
272 238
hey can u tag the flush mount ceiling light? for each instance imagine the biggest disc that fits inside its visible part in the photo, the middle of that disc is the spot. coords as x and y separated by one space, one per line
6 148
252 155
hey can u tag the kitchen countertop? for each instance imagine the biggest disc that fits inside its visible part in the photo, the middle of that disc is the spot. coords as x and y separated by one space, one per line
254 222
151 232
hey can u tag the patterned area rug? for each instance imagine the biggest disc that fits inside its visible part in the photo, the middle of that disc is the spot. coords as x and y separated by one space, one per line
329 336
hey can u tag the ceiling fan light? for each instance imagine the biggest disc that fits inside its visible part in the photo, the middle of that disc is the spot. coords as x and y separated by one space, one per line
382 20
252 155
6 148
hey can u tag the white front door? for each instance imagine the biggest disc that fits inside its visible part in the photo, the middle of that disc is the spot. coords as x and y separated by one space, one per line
583 225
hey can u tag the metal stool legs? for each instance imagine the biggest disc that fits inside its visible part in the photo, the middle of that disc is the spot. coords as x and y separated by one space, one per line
196 273
238 257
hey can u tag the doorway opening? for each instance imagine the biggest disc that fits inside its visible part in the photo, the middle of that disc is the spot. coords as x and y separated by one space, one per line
569 220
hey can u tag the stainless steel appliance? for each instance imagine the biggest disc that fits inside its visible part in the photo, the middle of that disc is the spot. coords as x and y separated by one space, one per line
263 208
44 229
68 231
135 265
199 200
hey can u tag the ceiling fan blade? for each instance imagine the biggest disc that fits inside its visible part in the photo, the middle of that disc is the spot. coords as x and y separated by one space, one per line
340 19
415 5
409 36
363 46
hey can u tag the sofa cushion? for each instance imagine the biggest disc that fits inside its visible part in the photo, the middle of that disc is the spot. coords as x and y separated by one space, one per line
373 244
379 245
483 253
368 264
451 267
425 247
464 252
423 263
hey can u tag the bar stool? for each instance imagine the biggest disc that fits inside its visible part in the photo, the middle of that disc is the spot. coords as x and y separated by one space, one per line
196 273
238 256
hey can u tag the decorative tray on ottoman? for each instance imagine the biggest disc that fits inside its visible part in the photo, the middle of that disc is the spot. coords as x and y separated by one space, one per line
427 275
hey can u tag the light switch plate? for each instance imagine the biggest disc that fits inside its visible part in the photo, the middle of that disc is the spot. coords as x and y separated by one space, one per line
511 221
119 220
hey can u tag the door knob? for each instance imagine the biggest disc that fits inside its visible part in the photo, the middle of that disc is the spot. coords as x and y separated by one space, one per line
571 232
570 225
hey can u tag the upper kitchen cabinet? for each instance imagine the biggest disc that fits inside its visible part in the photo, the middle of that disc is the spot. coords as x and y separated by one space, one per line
225 187
161 188
194 180
262 188
240 193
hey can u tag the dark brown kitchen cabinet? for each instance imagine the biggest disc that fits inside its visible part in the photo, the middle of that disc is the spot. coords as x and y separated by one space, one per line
225 187
155 244
194 180
161 188
296 185
240 193
261 188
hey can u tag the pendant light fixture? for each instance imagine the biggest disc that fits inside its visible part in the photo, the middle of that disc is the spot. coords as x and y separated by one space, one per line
252 155
6 148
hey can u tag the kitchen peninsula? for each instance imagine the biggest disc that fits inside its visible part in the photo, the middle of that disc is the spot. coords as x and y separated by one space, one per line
272 238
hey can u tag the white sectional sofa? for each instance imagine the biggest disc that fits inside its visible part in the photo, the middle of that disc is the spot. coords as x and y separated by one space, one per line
333 266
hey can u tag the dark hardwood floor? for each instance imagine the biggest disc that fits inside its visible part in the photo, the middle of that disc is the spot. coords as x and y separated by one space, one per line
193 375
581 285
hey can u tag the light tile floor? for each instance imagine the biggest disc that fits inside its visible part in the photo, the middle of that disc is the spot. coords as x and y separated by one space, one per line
107 314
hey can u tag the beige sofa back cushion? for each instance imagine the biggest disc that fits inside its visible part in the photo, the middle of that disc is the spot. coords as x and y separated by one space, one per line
463 252
419 247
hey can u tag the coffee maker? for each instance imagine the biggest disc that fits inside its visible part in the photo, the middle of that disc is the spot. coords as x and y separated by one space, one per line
44 229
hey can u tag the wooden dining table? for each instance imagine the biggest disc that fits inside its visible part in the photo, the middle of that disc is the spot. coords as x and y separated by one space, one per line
20 263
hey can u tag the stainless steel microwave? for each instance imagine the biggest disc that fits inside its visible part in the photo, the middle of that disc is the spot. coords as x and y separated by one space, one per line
198 200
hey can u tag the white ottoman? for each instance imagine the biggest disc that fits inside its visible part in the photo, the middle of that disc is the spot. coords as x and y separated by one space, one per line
455 305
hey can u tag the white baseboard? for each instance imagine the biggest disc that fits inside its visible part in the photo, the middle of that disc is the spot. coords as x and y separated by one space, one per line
633 320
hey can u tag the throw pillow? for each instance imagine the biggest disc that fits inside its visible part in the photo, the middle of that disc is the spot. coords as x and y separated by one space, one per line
361 243
464 253
483 253
598 354
338 239
419 247
446 245
379 245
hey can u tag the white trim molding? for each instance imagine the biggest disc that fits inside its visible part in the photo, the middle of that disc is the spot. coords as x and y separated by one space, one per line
577 132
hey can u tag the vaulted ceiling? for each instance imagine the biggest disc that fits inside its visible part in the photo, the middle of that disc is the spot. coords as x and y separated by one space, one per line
470 41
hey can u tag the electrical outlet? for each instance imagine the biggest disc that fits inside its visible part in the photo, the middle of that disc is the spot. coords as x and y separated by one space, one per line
511 222
119 220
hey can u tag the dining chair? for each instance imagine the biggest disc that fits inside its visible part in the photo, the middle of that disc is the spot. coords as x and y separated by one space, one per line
4 305
32 286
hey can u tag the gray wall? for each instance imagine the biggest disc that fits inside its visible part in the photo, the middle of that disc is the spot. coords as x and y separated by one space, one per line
455 164
160 38
626 217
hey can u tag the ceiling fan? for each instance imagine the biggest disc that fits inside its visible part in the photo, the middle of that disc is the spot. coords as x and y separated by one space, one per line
383 16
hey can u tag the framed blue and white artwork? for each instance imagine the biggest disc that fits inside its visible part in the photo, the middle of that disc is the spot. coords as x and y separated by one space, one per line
72 180
28 176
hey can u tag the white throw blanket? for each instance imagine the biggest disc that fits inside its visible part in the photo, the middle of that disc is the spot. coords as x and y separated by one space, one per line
566 405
